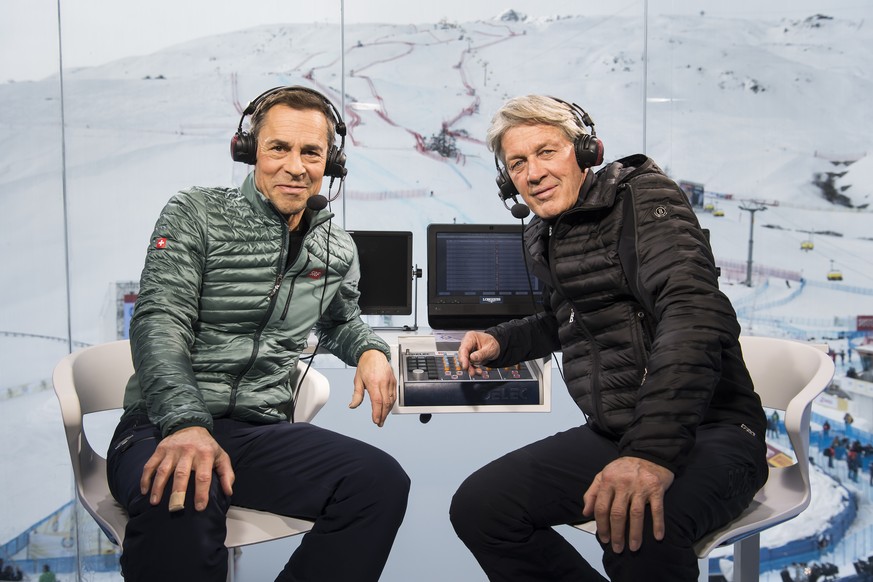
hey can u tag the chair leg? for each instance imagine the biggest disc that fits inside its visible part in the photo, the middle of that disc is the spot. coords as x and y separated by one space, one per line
747 559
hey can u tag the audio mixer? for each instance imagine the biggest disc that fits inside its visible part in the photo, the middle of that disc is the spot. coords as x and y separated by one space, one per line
437 379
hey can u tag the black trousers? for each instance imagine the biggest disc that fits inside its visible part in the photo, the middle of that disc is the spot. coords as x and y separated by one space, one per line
355 493
505 511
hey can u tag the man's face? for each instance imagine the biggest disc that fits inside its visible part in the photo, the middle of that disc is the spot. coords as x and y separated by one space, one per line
541 162
292 148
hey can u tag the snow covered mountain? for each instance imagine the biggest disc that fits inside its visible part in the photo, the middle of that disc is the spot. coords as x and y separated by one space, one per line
756 110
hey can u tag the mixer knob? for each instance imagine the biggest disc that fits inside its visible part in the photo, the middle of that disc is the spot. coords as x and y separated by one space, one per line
419 374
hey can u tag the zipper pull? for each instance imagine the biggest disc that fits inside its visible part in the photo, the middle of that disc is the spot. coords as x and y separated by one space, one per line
572 315
275 288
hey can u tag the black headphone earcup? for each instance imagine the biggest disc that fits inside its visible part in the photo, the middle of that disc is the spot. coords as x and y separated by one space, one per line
335 166
243 148
589 151
505 185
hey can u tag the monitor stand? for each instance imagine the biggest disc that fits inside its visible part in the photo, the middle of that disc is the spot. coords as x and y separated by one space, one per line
416 275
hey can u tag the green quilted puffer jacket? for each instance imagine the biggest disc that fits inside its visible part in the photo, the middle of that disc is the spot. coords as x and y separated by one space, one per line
221 318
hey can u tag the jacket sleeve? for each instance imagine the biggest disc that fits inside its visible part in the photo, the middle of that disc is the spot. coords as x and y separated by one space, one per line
341 330
694 324
534 336
161 329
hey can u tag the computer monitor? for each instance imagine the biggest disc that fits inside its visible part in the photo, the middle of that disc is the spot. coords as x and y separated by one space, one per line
386 271
477 276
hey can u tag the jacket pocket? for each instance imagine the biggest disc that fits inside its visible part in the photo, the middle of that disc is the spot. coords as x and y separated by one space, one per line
641 341
130 432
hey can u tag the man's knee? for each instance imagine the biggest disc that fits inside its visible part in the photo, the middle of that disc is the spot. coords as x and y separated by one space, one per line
670 559
380 477
462 510
476 512
394 481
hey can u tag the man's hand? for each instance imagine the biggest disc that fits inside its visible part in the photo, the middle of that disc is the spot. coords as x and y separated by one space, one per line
189 450
374 374
621 491
476 348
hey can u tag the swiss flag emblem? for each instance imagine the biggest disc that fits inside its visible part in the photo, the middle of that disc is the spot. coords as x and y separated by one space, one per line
316 274
161 243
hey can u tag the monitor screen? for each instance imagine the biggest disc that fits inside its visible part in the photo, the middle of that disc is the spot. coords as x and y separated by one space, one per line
477 276
386 271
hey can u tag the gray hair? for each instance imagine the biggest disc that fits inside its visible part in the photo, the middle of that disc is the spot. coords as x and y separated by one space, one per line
532 110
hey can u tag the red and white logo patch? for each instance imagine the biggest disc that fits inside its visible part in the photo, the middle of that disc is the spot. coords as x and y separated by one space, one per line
161 243
316 274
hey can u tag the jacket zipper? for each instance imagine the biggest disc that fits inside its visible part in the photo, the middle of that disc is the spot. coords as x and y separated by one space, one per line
642 317
271 297
280 268
639 344
291 289
596 402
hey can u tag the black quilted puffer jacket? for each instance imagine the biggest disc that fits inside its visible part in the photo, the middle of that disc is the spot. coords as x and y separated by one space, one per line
649 363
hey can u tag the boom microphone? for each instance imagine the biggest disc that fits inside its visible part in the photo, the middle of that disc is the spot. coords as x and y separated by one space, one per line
317 202
520 211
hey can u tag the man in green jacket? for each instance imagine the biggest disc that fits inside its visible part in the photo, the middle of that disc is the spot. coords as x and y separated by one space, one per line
235 279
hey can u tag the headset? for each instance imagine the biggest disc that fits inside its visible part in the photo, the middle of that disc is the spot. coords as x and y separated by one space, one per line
589 153
244 146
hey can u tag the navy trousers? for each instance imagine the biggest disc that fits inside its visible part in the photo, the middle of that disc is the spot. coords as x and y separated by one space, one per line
504 513
355 493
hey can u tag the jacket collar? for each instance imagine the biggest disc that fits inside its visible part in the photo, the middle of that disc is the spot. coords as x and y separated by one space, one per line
598 191
603 192
264 207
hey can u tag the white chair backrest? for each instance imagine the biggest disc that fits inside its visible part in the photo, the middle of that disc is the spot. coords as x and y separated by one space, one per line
100 374
90 380
312 394
781 368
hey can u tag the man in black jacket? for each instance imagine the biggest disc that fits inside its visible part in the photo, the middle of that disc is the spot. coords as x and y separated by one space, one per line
673 446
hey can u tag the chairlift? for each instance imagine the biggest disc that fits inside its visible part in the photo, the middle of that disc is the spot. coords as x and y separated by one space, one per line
834 274
718 212
806 245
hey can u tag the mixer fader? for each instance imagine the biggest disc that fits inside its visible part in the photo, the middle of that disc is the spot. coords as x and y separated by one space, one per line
437 379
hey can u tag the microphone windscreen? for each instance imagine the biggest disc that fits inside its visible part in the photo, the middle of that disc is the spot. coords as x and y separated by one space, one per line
317 202
520 211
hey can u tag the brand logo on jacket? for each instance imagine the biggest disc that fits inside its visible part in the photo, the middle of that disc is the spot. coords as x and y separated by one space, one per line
316 274
161 243
660 211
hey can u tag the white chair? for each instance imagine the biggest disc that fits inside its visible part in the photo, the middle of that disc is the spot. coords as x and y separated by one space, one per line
92 380
788 375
